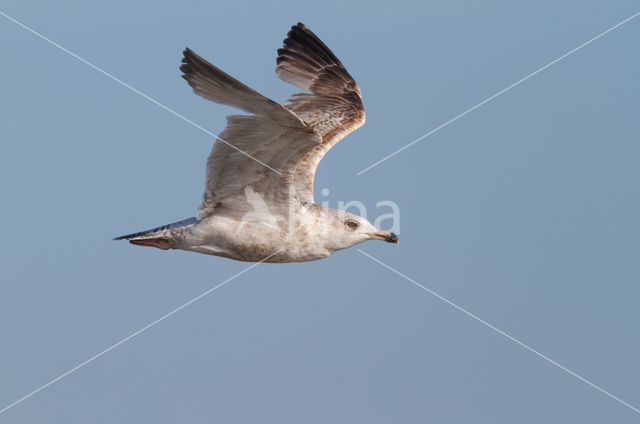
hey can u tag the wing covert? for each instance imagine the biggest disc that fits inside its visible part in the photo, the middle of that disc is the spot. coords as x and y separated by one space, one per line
334 107
271 136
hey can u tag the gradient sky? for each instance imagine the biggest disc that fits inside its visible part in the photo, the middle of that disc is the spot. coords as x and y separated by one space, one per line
523 212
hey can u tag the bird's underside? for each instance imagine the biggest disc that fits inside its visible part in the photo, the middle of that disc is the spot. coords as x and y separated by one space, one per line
258 197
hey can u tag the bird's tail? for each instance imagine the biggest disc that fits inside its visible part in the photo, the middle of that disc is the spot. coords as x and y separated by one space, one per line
163 237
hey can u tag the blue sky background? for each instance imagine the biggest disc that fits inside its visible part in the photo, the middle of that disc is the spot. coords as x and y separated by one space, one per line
524 212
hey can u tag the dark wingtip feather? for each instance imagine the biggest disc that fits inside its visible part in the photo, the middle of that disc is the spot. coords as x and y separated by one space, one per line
306 62
189 59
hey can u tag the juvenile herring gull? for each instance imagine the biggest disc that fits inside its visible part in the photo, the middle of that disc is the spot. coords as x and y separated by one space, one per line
258 196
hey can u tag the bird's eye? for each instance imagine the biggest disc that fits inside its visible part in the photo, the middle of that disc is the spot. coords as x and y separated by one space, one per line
352 224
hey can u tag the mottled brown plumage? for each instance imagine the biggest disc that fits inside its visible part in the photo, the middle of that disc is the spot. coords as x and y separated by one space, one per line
332 111
258 196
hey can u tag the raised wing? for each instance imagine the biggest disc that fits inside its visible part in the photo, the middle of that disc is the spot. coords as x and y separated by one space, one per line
259 150
333 110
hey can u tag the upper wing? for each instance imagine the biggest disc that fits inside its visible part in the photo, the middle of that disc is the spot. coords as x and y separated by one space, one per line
259 150
333 110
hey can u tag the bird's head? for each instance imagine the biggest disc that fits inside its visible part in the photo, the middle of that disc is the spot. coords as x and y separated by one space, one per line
348 229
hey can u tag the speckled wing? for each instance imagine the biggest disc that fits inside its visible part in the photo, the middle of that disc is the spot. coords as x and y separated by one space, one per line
333 110
259 150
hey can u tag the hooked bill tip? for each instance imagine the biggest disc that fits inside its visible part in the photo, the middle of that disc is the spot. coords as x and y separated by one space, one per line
392 238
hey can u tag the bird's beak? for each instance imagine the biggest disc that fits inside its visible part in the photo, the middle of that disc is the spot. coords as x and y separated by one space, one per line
387 236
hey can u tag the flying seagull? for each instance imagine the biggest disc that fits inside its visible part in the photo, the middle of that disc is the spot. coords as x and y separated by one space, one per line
258 197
